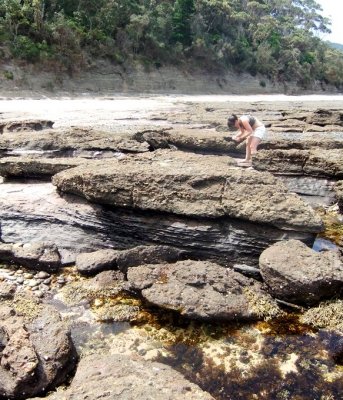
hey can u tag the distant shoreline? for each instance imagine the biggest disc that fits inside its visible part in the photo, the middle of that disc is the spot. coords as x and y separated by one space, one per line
32 95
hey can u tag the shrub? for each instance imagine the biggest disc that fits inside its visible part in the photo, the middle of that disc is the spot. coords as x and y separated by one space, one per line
8 75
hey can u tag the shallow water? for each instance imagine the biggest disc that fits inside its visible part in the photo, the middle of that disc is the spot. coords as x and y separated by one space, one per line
267 360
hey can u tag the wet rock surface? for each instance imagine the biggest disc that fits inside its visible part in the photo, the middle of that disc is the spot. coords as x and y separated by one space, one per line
201 290
295 273
339 194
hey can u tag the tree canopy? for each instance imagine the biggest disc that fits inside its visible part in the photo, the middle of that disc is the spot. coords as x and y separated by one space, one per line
276 38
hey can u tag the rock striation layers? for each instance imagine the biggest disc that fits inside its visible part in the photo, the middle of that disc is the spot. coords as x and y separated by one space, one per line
189 185
204 205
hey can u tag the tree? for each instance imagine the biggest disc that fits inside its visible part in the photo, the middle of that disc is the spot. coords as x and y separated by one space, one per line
181 21
276 38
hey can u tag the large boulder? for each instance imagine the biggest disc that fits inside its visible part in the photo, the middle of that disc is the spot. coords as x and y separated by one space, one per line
190 185
202 290
96 261
148 255
36 349
109 259
204 141
126 378
295 273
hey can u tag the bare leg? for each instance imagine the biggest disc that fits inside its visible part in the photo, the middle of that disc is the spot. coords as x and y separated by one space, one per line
248 149
255 141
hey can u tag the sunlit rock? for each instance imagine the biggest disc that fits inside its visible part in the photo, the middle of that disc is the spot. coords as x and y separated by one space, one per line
36 349
202 290
314 162
110 259
35 255
126 378
35 167
295 273
25 125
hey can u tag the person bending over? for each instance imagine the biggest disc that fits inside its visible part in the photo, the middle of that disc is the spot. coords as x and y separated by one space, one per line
249 128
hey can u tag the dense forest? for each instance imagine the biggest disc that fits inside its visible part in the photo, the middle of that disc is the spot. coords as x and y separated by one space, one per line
279 39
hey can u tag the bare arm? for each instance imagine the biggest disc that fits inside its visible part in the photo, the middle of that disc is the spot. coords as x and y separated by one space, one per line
245 130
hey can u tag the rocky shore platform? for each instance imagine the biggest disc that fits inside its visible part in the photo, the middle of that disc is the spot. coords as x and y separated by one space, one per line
139 260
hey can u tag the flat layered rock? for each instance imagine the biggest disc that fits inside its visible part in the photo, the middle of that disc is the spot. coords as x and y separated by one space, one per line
37 212
202 290
33 167
25 125
324 117
314 162
190 185
204 140
295 273
126 378
69 142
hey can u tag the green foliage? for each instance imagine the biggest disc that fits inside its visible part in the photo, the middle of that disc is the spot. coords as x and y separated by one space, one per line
25 48
181 21
275 38
8 75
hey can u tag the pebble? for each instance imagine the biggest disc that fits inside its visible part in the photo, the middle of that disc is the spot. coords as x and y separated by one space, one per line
44 288
61 280
42 275
38 283
5 270
33 283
